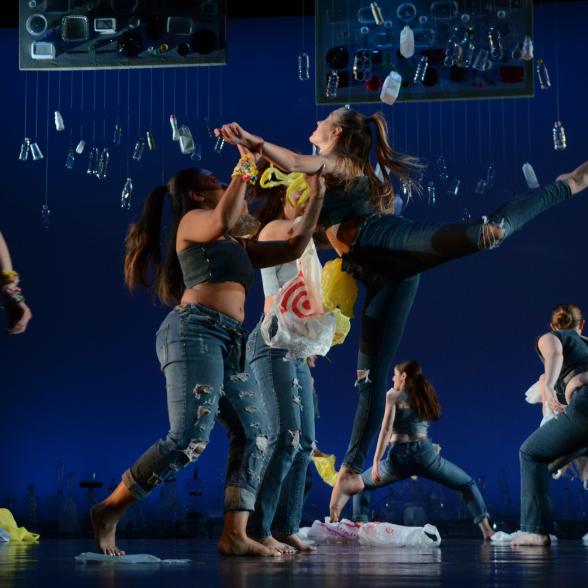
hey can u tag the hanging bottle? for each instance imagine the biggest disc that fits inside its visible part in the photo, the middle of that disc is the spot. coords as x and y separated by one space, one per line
453 50
442 168
59 126
93 161
543 75
173 121
468 49
139 148
391 88
527 49
490 175
481 187
332 84
102 170
303 67
406 192
126 194
377 13
45 216
24 149
186 140
559 136
36 152
80 146
71 157
453 189
431 193
117 136
421 70
197 153
219 145
406 42
150 141
495 43
530 176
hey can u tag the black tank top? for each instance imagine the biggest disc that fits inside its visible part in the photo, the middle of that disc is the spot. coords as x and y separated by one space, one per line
341 205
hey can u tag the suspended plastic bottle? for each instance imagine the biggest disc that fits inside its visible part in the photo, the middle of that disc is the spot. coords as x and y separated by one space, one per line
59 126
481 61
71 157
36 152
102 169
442 168
24 149
481 187
391 88
303 67
543 75
407 192
139 148
431 194
495 43
468 49
80 146
530 176
45 216
453 189
559 136
332 84
197 153
117 136
173 121
466 217
150 141
186 140
93 161
490 175
377 13
453 51
421 70
407 42
126 194
527 49
219 145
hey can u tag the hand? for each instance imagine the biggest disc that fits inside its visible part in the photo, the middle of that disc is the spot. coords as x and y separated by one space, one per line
236 135
316 182
19 315
555 405
376 476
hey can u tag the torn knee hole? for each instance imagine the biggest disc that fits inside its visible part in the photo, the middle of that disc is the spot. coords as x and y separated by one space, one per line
261 442
242 377
200 389
194 449
251 409
491 234
363 376
295 438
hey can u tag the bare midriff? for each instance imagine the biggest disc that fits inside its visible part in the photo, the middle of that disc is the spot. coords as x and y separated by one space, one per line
225 297
403 438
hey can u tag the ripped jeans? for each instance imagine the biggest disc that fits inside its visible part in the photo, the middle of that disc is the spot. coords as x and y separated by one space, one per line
387 255
287 390
201 354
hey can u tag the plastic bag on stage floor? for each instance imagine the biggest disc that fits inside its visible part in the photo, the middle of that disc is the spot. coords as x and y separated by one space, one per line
585 539
390 535
502 537
16 533
327 532
4 536
135 558
325 466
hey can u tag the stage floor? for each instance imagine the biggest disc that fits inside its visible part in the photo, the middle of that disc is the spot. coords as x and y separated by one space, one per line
471 563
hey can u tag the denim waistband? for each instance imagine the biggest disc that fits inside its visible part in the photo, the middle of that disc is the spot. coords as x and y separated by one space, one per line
220 318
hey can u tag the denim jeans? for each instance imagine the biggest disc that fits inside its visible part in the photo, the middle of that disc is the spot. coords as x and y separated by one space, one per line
287 389
558 437
202 356
387 255
421 459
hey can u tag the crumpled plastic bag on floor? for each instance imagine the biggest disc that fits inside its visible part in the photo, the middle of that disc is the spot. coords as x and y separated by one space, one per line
15 532
388 534
502 537
327 532
135 558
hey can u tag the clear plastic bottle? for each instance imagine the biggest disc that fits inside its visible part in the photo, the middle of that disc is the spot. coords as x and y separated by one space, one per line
219 145
126 195
80 146
481 60
453 50
93 161
543 75
303 67
495 44
70 159
150 141
24 149
421 70
559 136
186 140
45 216
59 126
468 49
139 148
530 176
332 84
406 42
442 168
431 193
173 121
377 13
527 49
197 153
117 135
453 189
481 187
36 152
391 87
490 175
102 169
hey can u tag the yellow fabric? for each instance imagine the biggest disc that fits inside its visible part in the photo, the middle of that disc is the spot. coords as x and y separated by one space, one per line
342 327
325 466
16 533
339 288
295 182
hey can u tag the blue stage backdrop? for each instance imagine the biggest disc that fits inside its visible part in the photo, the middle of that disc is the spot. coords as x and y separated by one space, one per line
82 387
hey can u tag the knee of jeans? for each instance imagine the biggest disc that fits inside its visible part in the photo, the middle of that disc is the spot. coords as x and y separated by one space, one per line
189 448
288 442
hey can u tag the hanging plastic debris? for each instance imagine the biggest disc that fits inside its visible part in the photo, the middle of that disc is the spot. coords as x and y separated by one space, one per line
173 121
453 51
559 137
495 43
543 75
150 141
36 152
59 126
431 194
93 161
406 42
102 167
527 49
186 140
139 148
481 62
45 216
466 217
70 159
219 145
197 153
481 187
421 70
453 189
24 149
391 87
468 49
530 176
332 84
377 12
407 191
117 136
442 168
126 194
490 175
303 67
80 146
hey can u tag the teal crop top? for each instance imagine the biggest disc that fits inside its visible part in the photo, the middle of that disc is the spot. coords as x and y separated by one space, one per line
406 421
341 205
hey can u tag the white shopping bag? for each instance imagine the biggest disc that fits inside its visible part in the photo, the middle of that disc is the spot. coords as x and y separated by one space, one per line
388 534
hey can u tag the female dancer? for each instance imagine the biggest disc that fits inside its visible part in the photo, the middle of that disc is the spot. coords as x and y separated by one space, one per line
384 251
565 354
286 386
410 406
200 343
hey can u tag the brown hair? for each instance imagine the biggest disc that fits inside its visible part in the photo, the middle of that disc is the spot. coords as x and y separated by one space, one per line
354 146
269 201
566 316
422 397
143 240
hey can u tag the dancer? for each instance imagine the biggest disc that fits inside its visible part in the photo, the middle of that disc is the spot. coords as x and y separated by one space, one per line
200 343
564 352
18 314
384 251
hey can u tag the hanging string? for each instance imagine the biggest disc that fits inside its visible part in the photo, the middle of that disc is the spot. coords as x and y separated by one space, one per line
26 101
303 22
503 131
104 109
556 61
175 82
151 100
529 142
490 128
197 94
418 127
118 96
514 126
186 92
440 126
36 104
71 85
82 106
47 141
453 129
140 100
94 112
220 92
480 131
59 90
430 133
163 143
465 131
405 127
128 120
208 95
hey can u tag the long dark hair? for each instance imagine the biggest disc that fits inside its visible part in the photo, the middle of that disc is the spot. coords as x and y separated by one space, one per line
422 397
354 145
143 240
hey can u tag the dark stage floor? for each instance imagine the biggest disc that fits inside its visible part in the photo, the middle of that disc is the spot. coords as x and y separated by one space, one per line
457 563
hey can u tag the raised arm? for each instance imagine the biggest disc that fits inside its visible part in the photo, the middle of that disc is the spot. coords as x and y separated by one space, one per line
5 260
551 349
385 433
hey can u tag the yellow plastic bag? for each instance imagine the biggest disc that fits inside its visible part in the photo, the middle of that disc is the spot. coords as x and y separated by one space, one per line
325 466
339 288
295 182
342 327
16 533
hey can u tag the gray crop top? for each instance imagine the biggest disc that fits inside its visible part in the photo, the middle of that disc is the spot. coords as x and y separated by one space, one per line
406 421
273 278
340 205
224 260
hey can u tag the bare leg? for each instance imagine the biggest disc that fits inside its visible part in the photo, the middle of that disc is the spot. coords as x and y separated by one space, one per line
487 530
348 483
295 542
106 515
531 539
576 180
234 540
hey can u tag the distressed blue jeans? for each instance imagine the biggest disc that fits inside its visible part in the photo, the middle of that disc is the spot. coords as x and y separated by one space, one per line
556 438
421 459
387 255
201 355
287 389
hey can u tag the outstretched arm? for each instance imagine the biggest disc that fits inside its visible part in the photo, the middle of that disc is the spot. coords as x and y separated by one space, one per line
385 433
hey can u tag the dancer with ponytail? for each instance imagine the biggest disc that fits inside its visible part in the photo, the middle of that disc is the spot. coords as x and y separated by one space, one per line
200 344
384 251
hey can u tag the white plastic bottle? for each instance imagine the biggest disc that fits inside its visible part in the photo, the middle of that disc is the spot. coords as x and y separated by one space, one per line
406 42
59 126
391 88
530 176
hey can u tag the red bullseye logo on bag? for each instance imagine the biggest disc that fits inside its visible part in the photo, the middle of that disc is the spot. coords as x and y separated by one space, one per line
296 298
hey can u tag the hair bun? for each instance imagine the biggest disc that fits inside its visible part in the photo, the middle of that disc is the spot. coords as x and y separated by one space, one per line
566 316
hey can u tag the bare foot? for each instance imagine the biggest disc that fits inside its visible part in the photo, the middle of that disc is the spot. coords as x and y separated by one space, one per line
104 519
486 528
296 542
348 483
576 180
235 544
272 543
531 539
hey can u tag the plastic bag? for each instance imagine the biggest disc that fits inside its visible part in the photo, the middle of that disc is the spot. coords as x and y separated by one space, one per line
388 534
135 558
342 327
296 320
4 536
325 466
339 288
502 537
16 533
325 532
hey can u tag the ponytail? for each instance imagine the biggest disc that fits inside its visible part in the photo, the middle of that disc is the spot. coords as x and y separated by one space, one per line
422 397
